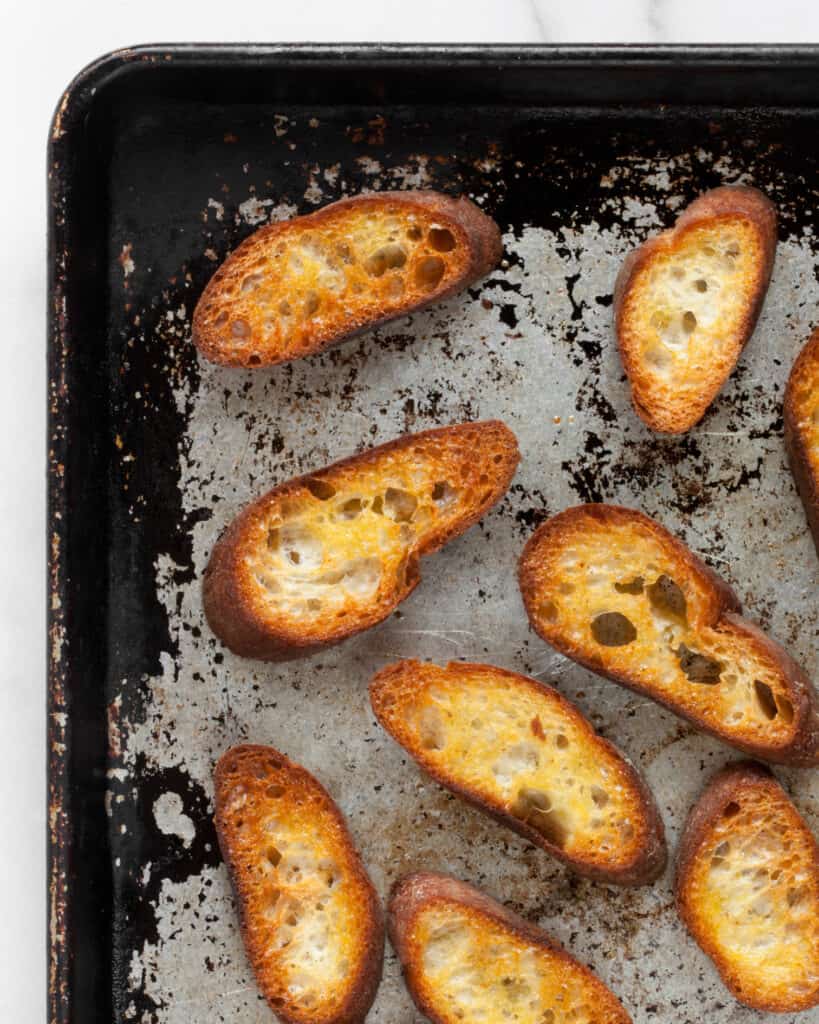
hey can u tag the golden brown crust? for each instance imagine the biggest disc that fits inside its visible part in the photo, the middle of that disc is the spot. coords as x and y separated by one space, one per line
434 246
744 833
802 429
635 851
471 464
416 894
257 784
761 701
653 388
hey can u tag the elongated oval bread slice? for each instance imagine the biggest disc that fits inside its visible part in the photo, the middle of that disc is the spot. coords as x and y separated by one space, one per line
616 592
802 429
468 960
302 285
311 920
325 556
747 889
687 301
519 750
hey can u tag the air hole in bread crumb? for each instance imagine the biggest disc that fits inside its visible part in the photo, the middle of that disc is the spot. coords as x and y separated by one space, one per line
311 303
634 586
274 791
613 629
689 321
429 272
548 611
599 796
698 668
285 308
388 257
765 700
240 329
251 282
320 489
221 319
730 810
314 605
701 285
399 505
378 505
351 508
254 360
561 741
442 492
785 708
535 808
274 856
666 597
441 239
414 232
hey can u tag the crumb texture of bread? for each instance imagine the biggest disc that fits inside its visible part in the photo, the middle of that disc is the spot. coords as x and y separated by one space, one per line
311 920
615 591
297 287
687 302
522 752
328 555
469 960
802 429
748 890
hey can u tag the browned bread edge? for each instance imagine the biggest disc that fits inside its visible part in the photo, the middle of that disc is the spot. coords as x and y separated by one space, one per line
804 748
363 988
485 249
721 201
412 892
807 481
226 609
647 865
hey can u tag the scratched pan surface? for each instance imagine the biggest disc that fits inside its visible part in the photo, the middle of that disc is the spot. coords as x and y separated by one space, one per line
160 163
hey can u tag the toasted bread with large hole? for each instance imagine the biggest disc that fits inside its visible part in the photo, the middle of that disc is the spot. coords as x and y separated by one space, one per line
615 591
468 960
330 554
802 429
311 921
520 751
302 285
687 301
747 889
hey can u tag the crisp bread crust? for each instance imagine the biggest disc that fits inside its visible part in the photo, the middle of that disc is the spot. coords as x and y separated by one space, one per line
411 894
722 606
725 201
478 233
805 475
648 861
726 786
229 609
363 980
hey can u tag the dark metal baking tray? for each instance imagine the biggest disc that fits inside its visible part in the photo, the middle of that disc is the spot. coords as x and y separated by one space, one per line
161 159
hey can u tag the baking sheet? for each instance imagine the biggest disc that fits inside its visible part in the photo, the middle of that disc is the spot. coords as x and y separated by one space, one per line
532 344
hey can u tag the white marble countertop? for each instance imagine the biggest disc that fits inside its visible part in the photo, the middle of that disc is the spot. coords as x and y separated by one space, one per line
47 44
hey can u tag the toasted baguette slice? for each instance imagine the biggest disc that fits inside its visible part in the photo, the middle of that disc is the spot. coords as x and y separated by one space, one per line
311 921
687 301
747 889
802 429
520 751
615 591
325 556
302 285
468 960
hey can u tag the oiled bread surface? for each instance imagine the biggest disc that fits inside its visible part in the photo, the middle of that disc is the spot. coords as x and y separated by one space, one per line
520 751
748 889
325 556
687 301
311 921
617 592
299 286
468 960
